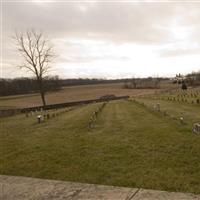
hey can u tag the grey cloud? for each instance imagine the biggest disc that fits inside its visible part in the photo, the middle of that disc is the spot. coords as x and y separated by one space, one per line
87 59
124 22
109 23
180 52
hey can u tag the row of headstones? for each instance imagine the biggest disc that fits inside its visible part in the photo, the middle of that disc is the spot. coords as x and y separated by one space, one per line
95 114
156 108
195 128
183 100
33 112
195 95
43 115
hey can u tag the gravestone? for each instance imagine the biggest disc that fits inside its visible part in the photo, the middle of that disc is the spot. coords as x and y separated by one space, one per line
39 118
182 120
196 128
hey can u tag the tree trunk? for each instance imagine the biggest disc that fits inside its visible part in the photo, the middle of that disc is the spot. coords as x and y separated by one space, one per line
43 98
42 93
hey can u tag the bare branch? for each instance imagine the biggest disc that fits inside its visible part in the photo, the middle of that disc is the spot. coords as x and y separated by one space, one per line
37 53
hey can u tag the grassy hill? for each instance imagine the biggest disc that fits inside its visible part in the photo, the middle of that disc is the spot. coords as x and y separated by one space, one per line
129 145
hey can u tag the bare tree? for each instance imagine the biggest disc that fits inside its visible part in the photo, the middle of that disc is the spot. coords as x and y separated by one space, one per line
38 54
134 82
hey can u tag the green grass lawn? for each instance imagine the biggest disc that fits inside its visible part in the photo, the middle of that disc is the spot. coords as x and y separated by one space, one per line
129 146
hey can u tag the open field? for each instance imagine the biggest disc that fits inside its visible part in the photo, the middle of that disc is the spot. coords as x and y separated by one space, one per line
75 93
129 145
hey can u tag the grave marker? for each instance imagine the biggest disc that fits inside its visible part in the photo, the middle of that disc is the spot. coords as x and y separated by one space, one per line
196 128
39 118
182 120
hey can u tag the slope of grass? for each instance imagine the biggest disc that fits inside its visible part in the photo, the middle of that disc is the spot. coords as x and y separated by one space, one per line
129 146
190 112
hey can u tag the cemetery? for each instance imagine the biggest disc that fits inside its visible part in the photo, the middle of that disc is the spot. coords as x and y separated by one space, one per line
100 100
125 142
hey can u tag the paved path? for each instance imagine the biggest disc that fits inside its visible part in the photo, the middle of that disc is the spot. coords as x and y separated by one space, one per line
22 188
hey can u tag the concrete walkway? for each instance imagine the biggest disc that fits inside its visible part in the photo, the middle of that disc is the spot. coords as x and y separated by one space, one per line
22 188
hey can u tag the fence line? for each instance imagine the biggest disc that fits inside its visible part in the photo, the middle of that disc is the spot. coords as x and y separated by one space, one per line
10 112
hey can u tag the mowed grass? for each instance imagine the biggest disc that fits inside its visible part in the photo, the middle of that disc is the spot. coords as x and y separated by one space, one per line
189 112
129 146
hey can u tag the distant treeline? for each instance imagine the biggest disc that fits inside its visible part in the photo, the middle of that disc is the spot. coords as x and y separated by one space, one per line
27 85
193 79
143 83
86 81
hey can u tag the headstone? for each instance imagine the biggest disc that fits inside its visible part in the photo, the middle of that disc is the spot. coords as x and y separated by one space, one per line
39 118
182 120
196 128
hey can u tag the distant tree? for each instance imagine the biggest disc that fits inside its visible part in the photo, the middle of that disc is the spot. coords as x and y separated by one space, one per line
38 54
157 82
134 82
28 85
126 85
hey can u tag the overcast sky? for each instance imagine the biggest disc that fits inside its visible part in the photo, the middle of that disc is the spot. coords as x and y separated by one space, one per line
107 39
